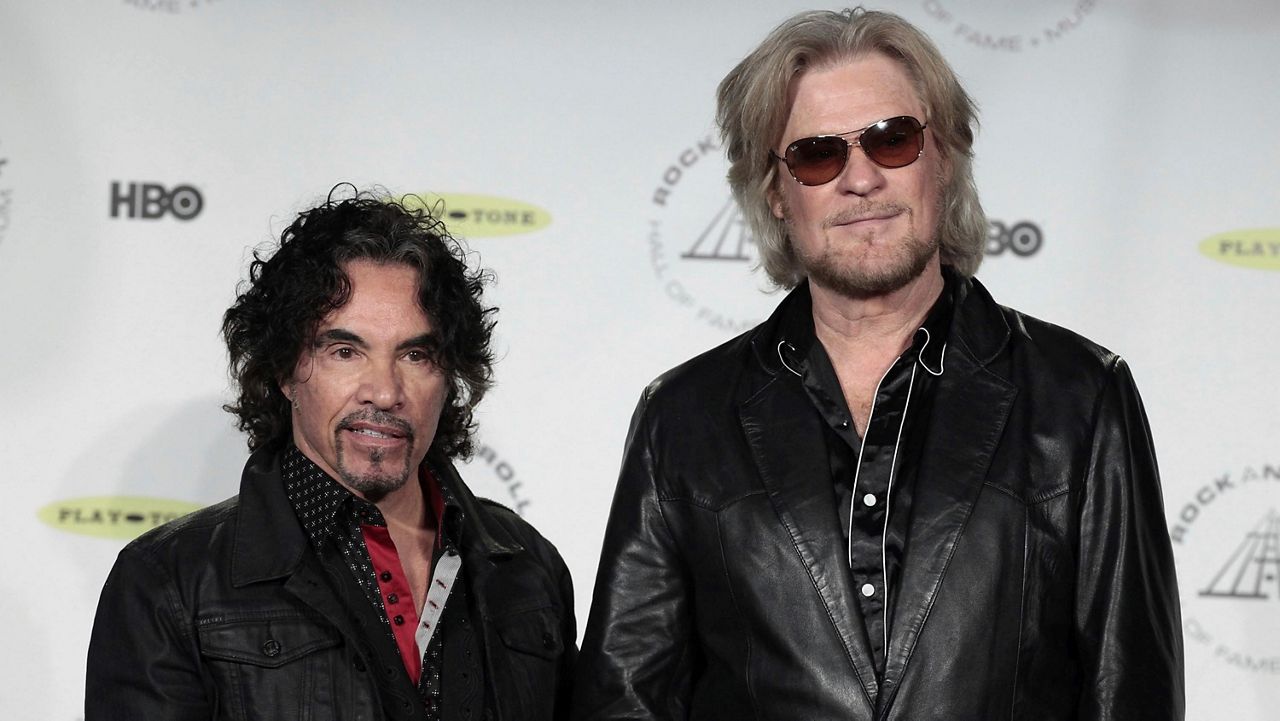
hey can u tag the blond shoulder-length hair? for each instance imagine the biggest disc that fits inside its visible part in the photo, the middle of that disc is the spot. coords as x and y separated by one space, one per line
752 110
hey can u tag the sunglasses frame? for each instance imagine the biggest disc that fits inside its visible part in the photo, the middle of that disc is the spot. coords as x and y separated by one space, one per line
856 140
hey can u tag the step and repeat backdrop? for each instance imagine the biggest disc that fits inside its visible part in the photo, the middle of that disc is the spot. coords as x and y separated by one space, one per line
1128 159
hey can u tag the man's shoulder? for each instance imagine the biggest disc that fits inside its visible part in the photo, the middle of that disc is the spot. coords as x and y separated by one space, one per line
199 533
519 528
1035 345
1056 347
712 373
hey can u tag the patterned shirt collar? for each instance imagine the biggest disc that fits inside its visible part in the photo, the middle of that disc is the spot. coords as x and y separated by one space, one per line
320 502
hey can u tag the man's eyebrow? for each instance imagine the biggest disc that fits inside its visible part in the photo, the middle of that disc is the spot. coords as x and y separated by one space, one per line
340 335
426 341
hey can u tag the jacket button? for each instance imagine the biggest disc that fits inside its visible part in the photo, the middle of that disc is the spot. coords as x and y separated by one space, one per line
271 647
359 664
548 642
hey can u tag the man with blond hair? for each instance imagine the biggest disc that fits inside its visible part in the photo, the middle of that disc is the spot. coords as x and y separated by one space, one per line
894 499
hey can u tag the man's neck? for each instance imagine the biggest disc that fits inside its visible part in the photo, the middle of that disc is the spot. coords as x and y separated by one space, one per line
864 336
406 507
877 324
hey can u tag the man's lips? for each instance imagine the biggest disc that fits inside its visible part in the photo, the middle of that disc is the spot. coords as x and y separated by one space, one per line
856 218
377 433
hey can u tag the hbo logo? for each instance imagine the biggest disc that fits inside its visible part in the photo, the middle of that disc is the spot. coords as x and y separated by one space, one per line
151 201
1023 238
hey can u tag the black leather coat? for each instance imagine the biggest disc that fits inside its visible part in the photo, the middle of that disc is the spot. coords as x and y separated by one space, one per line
1037 580
227 614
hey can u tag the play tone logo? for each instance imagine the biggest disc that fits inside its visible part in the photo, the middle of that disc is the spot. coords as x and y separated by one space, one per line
1254 248
122 517
479 216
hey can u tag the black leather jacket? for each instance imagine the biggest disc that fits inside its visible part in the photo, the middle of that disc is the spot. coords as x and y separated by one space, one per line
226 614
1037 579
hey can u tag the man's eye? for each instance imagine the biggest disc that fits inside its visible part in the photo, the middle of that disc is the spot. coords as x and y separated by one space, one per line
344 353
417 356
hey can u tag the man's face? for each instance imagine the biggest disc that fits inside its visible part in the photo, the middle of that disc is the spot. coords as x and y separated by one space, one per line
367 396
871 230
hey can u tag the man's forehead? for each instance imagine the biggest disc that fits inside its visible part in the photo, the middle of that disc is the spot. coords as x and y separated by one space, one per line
850 93
381 299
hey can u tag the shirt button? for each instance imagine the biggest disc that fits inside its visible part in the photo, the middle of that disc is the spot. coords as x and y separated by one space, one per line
869 499
868 590
385 575
392 598
400 619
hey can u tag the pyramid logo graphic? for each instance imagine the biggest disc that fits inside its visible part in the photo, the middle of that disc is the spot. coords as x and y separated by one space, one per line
726 238
1253 570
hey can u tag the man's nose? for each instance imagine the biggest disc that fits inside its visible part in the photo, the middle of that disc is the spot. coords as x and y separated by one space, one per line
859 176
381 385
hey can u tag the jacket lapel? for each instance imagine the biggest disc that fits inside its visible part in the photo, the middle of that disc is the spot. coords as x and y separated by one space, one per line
786 440
269 542
971 407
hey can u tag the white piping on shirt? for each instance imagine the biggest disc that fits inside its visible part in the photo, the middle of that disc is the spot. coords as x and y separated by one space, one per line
442 579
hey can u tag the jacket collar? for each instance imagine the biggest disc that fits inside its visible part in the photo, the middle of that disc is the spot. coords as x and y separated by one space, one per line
977 325
269 542
467 520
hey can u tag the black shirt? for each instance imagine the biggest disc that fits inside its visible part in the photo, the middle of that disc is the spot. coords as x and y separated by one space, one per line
873 477
332 518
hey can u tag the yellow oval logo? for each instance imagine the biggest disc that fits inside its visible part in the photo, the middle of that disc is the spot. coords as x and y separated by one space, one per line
1255 248
124 517
476 216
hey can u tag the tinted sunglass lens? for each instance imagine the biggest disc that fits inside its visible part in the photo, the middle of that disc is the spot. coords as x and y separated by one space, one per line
814 161
893 143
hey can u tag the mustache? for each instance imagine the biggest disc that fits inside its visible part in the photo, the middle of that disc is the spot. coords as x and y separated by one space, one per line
377 417
862 211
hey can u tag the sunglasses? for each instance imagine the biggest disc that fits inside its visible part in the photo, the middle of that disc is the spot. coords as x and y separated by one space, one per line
890 143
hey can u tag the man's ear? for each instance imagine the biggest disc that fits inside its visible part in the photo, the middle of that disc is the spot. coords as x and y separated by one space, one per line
777 205
290 390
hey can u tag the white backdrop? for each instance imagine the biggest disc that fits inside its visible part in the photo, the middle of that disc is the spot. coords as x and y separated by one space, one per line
1135 140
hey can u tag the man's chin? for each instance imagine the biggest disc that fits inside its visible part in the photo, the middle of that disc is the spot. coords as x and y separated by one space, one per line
862 282
375 482
868 277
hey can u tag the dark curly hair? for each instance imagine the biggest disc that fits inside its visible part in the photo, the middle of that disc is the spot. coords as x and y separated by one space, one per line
291 290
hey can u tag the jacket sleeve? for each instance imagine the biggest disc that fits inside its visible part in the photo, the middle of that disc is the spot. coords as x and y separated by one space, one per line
143 660
569 658
1128 624
635 661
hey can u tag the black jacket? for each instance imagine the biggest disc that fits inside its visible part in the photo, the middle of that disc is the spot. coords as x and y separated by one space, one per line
228 614
1037 580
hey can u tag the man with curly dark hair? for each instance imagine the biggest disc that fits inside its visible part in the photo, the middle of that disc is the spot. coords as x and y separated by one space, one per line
355 576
